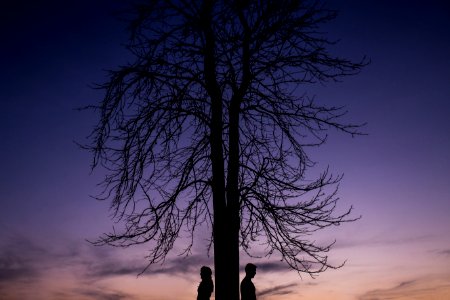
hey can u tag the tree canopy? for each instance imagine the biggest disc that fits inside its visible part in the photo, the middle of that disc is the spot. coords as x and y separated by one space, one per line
209 123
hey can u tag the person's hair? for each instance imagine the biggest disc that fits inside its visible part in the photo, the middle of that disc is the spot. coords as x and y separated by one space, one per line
250 267
206 270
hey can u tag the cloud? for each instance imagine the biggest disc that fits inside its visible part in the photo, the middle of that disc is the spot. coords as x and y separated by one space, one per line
406 283
272 266
283 289
25 265
341 243
24 262
189 264
445 252
104 295
21 259
311 284
173 266
22 265
91 293
432 287
14 268
109 268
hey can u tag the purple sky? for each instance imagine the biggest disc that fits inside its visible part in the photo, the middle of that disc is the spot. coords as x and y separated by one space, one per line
397 177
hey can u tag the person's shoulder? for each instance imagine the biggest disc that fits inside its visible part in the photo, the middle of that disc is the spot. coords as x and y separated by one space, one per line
246 281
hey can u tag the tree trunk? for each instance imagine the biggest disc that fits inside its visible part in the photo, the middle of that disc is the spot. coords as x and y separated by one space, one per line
233 201
222 270
225 201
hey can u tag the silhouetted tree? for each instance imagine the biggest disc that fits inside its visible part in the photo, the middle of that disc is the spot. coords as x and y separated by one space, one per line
207 126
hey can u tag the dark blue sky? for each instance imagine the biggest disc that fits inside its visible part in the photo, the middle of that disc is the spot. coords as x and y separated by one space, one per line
397 177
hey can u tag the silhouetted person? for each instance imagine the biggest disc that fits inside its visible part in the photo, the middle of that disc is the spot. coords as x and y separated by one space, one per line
206 286
247 286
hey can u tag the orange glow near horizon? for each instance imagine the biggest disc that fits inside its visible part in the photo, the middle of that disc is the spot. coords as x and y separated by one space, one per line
390 271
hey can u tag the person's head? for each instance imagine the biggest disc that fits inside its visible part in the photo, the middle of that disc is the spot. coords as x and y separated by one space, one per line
250 270
205 272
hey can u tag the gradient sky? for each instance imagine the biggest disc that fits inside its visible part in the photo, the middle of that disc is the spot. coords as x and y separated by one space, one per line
397 177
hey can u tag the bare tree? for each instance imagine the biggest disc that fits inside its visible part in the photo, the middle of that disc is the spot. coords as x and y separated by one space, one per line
208 124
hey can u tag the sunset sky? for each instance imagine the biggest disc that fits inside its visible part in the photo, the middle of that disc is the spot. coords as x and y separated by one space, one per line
397 177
